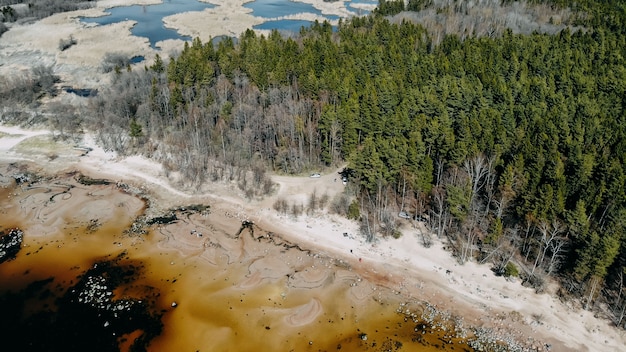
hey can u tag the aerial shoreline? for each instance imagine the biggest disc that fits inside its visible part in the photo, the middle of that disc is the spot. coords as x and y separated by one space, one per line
430 274
470 290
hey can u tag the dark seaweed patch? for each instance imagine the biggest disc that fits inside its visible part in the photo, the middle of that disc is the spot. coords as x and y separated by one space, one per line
88 181
162 220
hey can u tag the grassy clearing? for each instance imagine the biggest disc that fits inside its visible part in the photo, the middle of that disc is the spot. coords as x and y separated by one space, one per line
44 145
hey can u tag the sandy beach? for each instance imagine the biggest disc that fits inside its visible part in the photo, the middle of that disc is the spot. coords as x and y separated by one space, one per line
316 264
215 279
402 266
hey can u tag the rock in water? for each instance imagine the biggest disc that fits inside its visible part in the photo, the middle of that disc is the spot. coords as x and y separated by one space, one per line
10 244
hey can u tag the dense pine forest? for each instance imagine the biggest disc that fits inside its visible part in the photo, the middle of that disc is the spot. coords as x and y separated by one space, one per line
510 146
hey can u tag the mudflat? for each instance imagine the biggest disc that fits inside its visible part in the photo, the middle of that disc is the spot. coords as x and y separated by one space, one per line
213 283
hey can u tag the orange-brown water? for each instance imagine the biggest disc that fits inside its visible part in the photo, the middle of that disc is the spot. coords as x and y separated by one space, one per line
231 293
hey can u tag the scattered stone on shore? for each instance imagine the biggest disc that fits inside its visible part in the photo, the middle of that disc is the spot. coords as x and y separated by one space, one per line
21 178
10 244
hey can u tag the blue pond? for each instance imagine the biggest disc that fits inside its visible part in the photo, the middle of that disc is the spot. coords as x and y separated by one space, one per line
284 25
136 59
368 2
278 8
149 18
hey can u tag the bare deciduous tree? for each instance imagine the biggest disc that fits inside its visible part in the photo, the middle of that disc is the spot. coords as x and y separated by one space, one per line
551 240
479 170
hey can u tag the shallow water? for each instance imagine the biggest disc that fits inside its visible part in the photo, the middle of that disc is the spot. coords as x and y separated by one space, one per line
149 18
291 26
150 25
279 8
232 292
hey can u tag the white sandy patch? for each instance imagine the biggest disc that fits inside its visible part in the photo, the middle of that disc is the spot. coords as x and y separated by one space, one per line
337 8
15 135
366 7
228 18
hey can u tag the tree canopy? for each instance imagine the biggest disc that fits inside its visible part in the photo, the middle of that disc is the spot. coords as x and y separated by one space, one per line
522 137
